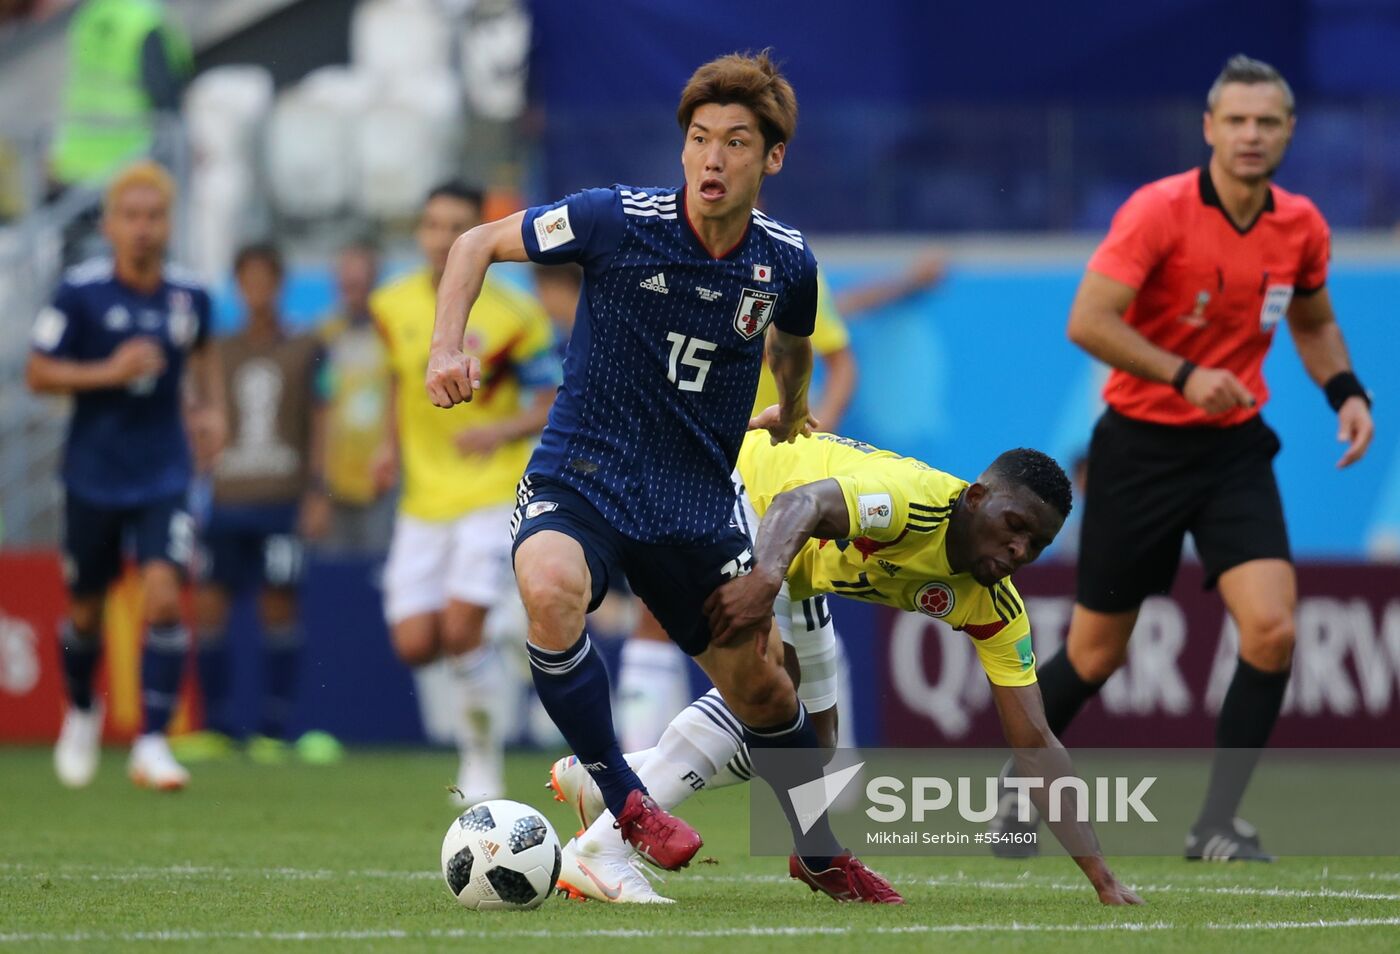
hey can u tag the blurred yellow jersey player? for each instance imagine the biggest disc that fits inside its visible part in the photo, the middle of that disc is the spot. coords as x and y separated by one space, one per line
911 542
449 560
444 474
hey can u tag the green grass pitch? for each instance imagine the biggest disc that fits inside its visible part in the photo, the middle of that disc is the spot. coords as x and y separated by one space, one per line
253 858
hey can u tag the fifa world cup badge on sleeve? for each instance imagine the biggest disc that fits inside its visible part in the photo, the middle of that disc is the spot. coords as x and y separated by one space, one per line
552 229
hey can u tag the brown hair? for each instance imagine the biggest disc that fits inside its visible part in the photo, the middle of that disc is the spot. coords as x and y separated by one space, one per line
748 79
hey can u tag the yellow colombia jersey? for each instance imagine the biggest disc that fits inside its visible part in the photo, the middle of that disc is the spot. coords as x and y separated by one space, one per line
512 336
829 334
898 508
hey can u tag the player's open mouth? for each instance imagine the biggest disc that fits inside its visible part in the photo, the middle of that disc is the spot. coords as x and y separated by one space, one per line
712 190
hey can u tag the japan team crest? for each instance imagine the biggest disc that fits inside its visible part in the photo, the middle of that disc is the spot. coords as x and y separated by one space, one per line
935 599
754 312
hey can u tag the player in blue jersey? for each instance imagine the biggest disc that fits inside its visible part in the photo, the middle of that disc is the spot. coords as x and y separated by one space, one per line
120 336
682 288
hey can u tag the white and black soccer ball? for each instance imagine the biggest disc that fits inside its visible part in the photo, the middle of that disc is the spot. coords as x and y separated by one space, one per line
500 855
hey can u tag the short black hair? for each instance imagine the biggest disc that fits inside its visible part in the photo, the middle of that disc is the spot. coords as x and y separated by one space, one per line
1249 71
1037 472
260 252
457 189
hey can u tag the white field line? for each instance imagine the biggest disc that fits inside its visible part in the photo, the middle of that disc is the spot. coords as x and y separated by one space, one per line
79 937
1185 885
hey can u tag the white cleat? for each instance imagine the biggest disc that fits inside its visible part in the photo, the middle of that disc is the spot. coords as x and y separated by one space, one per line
612 875
153 766
79 747
572 784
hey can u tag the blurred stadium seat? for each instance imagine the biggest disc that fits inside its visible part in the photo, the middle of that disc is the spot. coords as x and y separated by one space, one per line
391 37
310 141
404 143
494 61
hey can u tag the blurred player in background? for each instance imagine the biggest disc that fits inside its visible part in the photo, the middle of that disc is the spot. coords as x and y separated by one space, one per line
1182 299
843 517
449 560
267 498
118 337
356 372
632 473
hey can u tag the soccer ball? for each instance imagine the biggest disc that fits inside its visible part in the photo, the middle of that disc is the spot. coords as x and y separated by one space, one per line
500 855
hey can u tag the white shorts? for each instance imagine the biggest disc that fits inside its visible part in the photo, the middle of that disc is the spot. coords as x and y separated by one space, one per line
805 625
431 562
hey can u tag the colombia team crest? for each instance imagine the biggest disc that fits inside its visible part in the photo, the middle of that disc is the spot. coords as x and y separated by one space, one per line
935 599
754 312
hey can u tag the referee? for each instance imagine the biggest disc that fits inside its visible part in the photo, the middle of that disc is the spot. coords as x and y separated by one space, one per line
1182 299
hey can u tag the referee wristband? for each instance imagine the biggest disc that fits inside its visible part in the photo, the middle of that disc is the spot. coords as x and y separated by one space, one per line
1182 373
1344 385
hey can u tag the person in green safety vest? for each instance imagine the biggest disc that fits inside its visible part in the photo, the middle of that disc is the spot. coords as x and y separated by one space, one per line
128 62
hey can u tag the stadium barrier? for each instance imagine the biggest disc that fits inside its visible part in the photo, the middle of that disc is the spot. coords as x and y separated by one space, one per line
915 682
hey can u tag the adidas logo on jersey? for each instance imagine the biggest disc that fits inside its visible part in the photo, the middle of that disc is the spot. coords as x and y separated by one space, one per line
656 283
888 567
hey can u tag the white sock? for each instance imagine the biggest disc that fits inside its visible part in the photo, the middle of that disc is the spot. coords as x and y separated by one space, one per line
652 687
694 748
437 696
477 677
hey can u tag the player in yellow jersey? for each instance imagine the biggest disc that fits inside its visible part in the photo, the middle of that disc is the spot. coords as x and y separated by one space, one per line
833 515
449 561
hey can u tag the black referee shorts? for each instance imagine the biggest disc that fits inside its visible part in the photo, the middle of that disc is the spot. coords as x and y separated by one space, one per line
1149 484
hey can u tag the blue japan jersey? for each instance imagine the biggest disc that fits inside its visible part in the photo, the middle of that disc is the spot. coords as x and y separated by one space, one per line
663 363
126 446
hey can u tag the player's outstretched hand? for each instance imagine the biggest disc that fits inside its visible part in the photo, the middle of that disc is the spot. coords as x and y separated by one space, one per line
770 419
451 377
136 358
1216 391
1354 429
1114 891
741 607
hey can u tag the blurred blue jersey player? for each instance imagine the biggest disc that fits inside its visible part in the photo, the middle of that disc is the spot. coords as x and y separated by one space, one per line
119 337
682 290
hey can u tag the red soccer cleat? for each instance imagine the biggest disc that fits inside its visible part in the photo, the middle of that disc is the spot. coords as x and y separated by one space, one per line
659 837
848 879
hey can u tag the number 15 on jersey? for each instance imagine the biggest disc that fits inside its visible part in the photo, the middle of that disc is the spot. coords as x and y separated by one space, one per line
687 352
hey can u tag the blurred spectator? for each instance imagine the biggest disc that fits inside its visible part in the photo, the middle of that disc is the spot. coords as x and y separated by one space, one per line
356 374
128 62
267 499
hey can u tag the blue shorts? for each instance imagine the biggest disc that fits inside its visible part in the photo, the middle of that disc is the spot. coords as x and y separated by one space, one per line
673 581
96 538
251 545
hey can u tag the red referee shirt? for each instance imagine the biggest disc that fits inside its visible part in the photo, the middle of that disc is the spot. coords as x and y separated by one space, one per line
1207 290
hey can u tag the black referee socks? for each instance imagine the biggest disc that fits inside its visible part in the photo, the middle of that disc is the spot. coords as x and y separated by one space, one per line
1246 720
1063 691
